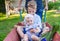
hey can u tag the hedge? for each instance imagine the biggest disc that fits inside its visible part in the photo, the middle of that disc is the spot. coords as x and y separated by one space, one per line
2 6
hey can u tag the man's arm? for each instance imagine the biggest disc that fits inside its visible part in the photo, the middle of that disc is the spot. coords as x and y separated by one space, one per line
19 4
20 1
39 22
46 4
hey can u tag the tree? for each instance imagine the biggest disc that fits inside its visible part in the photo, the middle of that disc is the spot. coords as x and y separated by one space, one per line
2 6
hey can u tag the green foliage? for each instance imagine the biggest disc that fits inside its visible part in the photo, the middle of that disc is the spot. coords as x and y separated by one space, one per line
50 5
2 6
54 5
59 30
58 0
54 30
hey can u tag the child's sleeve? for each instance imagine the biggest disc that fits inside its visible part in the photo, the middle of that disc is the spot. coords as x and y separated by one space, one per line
28 28
39 22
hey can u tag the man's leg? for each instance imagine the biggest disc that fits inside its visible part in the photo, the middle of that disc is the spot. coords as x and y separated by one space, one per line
40 13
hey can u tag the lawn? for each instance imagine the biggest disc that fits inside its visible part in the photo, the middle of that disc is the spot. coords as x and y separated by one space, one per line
6 24
54 19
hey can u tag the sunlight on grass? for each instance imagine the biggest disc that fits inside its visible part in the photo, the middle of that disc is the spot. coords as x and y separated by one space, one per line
16 15
3 18
12 16
51 11
56 15
24 14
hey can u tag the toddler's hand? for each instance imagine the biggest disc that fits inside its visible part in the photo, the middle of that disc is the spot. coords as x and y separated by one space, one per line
32 30
38 29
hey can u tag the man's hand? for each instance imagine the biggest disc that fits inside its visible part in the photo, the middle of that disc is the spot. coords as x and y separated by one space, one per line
18 8
46 7
19 5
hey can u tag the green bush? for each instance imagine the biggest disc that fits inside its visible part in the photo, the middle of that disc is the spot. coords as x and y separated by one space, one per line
50 5
54 5
2 6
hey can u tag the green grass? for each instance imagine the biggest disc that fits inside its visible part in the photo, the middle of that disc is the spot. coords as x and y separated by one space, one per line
52 17
54 20
6 24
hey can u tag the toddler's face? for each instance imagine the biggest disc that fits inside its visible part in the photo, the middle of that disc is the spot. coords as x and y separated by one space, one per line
31 10
29 21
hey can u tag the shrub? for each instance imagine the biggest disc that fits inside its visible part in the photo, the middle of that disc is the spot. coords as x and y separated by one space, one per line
2 6
54 5
50 5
